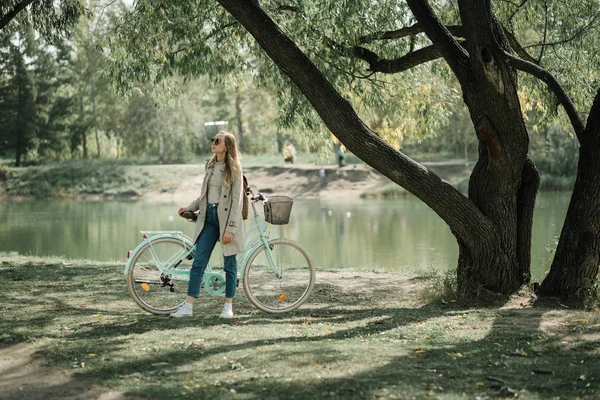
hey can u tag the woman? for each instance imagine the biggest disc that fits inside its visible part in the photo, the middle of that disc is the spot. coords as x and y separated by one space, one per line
219 218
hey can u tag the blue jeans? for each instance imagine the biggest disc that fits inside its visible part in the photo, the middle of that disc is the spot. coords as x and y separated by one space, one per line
204 246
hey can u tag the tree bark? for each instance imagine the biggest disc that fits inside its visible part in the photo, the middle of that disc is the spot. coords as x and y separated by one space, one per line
525 205
497 185
574 270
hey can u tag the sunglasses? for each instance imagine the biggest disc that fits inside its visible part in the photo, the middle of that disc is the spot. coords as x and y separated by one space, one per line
216 141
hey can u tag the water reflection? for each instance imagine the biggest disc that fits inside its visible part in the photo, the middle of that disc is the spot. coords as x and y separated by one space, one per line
401 234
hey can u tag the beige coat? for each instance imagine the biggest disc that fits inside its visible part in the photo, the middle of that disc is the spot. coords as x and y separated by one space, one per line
229 213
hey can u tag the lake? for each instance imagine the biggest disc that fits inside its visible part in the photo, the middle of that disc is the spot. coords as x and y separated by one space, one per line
400 234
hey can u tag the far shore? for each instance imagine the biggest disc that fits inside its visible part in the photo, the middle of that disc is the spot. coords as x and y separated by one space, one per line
96 180
181 182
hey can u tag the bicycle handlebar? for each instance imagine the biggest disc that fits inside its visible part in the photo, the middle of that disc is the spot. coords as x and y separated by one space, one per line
258 197
254 197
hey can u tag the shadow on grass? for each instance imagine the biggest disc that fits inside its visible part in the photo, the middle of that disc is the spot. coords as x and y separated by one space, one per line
512 359
517 356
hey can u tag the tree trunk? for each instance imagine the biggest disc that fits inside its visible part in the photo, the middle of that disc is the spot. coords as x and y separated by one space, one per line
574 270
238 117
161 149
486 225
18 157
525 205
279 142
503 184
93 98
83 130
84 144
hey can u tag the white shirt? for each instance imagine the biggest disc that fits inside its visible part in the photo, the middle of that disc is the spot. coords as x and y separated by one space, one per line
215 182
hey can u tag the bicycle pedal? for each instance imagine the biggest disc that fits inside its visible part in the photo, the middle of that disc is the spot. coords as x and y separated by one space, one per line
190 257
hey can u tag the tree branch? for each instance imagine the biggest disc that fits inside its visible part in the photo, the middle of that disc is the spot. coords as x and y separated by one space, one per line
401 64
415 29
554 86
515 4
341 119
518 6
593 122
516 46
454 54
5 19
284 7
539 60
575 35
206 38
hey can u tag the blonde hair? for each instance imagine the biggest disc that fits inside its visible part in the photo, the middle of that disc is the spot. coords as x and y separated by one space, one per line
233 166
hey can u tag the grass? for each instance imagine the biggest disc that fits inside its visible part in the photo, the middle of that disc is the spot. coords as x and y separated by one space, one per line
361 335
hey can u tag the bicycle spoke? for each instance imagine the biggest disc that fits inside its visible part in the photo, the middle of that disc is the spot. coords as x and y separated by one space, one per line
279 278
153 281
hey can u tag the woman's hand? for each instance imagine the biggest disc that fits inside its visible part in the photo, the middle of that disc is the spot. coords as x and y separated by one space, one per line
180 211
227 237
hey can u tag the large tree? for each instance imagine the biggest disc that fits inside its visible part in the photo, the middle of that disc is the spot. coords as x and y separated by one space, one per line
339 54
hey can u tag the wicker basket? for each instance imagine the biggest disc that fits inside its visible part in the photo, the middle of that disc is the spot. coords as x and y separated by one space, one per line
278 209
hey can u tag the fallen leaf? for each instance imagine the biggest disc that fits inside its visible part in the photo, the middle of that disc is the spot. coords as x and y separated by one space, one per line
523 352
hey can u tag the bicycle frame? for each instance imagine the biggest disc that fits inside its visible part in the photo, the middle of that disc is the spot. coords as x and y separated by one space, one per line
255 238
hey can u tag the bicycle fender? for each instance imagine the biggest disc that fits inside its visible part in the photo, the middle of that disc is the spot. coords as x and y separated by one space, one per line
183 238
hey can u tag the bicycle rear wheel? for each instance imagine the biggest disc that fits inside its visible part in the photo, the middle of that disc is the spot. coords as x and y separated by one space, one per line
279 278
152 281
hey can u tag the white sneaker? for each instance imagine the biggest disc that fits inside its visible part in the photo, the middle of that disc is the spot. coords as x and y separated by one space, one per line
227 312
184 311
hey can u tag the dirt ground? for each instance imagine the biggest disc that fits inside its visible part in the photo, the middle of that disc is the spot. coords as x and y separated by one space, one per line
295 180
26 377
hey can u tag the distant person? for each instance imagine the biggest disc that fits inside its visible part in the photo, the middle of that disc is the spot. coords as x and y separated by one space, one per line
340 157
323 177
289 153
220 200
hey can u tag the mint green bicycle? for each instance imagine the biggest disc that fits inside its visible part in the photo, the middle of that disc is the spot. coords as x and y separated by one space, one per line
277 274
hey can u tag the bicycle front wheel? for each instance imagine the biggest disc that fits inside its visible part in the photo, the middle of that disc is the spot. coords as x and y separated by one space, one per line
158 277
278 278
